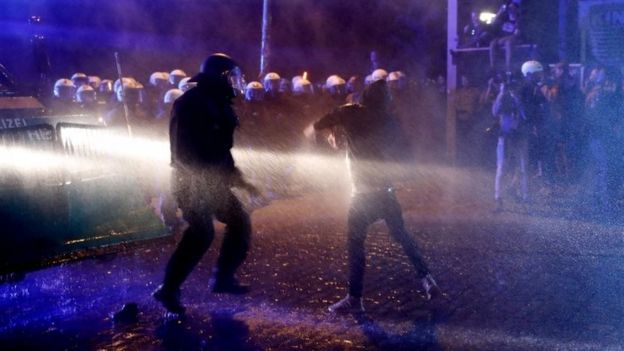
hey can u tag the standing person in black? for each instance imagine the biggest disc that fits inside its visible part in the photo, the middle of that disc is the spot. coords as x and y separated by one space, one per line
201 134
374 140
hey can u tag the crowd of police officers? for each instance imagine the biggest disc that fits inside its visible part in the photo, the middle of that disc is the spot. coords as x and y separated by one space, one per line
274 101
272 111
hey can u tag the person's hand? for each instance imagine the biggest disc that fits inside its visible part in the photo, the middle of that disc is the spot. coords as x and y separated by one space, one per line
310 133
252 189
257 198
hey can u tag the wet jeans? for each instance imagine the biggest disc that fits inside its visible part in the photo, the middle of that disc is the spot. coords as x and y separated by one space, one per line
196 240
366 209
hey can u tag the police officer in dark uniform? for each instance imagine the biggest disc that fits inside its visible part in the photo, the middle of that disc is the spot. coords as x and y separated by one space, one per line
373 138
201 133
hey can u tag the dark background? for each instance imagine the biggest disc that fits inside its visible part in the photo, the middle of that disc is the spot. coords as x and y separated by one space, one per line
321 36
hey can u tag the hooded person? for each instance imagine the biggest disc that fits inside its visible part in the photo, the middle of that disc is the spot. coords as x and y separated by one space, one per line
373 139
201 137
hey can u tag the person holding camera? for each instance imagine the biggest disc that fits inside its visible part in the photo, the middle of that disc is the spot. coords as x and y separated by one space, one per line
513 135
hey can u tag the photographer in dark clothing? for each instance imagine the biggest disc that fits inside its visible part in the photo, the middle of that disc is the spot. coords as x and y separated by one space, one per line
201 134
373 140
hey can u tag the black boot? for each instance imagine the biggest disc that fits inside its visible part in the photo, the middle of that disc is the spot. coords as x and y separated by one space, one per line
228 285
170 299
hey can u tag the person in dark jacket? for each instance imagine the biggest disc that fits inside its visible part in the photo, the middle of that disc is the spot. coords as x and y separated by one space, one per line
373 139
201 135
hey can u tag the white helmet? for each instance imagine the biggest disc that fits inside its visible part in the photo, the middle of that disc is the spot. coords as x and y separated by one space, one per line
131 90
159 78
185 85
94 81
396 80
295 79
176 76
254 91
531 67
106 86
335 85
64 88
272 76
393 76
85 94
126 80
379 74
172 95
79 79
302 86
333 81
271 82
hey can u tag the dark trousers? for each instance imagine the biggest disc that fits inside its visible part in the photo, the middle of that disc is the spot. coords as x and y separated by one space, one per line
365 210
196 240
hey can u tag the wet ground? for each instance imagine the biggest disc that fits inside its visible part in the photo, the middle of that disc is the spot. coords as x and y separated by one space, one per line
535 277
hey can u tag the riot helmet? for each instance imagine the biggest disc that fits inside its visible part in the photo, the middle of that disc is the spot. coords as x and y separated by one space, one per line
223 70
126 80
79 79
159 80
271 83
172 95
254 92
176 76
335 85
85 95
130 94
355 85
64 89
396 80
186 84
379 74
303 87
531 67
94 82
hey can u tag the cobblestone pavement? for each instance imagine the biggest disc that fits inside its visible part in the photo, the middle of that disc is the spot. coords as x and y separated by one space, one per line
532 278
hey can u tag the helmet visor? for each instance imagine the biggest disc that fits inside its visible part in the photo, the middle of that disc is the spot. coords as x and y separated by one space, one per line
237 81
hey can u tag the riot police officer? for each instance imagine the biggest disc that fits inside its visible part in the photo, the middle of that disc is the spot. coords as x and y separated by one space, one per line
201 134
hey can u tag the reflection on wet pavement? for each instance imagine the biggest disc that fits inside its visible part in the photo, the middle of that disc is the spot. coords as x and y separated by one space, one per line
516 282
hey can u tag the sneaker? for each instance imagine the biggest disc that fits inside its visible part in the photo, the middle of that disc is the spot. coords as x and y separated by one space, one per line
228 286
169 299
431 287
349 304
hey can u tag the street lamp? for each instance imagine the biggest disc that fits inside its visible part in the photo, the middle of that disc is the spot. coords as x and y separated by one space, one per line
487 17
